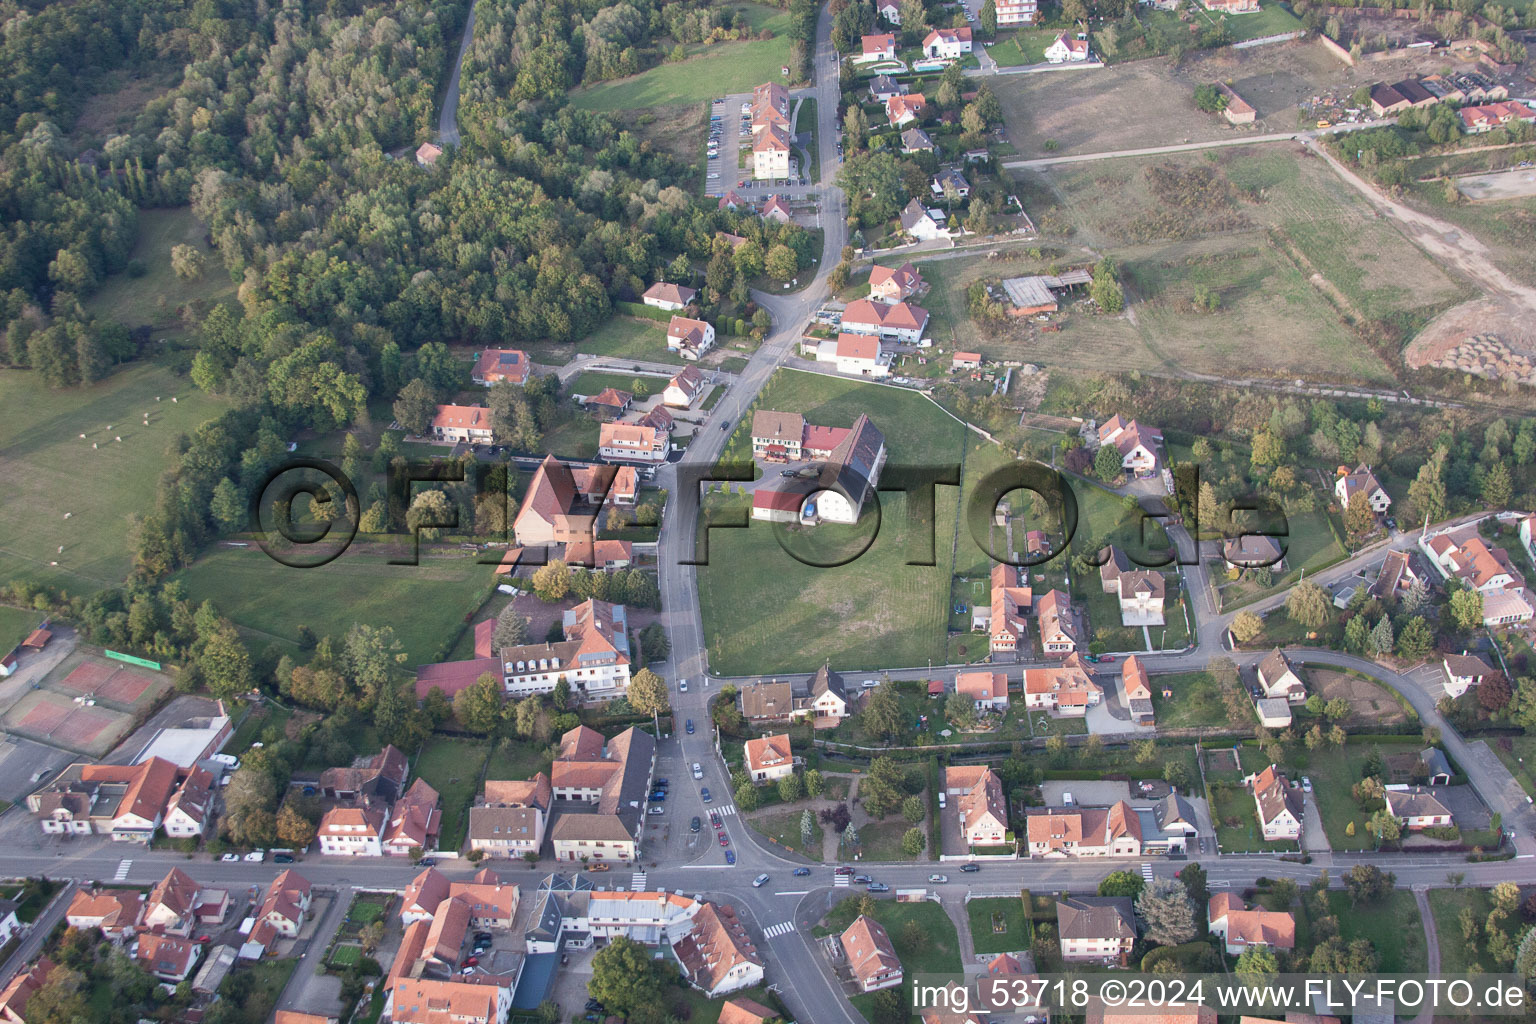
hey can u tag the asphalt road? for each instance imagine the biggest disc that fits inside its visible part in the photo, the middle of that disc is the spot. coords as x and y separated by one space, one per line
448 120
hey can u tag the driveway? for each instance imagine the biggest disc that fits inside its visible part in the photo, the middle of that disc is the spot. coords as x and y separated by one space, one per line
1108 718
1313 837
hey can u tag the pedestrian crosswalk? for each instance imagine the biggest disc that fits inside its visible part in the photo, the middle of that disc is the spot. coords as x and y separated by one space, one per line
779 929
1146 872
726 810
637 882
122 870
841 881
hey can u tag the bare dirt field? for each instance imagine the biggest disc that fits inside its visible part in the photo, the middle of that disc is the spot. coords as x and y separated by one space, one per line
1369 701
1515 184
1151 102
1273 79
678 129
1267 230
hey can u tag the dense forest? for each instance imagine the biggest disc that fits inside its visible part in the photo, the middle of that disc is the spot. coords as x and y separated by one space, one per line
290 130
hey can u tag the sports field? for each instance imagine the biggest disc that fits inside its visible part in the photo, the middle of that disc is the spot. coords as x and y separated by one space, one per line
120 697
427 604
79 493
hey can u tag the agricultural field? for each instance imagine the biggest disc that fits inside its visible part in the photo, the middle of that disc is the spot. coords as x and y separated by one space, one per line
1286 200
1122 107
50 471
1214 249
427 604
710 70
154 297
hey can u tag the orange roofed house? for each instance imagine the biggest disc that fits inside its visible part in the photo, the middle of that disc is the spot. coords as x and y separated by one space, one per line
904 110
871 957
563 502
127 802
1241 926
1058 624
1003 617
979 802
892 286
498 365
1113 831
462 424
425 1001
633 442
987 690
769 758
1066 690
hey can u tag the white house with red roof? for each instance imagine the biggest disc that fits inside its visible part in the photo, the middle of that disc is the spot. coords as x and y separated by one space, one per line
1137 444
689 338
1489 116
1361 482
858 355
770 153
667 296
684 389
893 286
877 47
905 110
769 758
988 691
1065 48
352 832
947 43
901 322
1058 624
776 210
462 424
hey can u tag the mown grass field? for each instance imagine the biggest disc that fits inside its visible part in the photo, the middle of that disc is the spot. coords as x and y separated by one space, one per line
766 611
153 298
1270 20
711 70
1026 46
1016 934
15 624
427 604
1196 701
50 471
632 338
453 768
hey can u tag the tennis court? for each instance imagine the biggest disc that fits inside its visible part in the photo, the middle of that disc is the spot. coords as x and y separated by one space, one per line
58 721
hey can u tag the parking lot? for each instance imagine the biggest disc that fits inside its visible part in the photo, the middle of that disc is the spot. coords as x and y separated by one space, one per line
727 130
